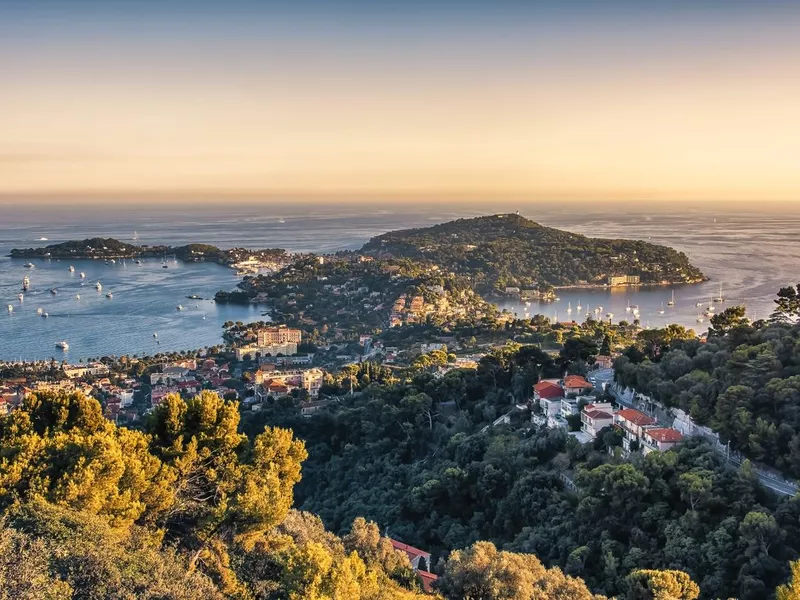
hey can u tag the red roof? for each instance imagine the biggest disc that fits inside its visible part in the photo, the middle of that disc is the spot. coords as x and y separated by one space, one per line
410 550
665 434
427 581
576 381
548 389
597 414
635 417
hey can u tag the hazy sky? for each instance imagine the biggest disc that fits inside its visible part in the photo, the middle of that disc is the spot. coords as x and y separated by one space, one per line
673 99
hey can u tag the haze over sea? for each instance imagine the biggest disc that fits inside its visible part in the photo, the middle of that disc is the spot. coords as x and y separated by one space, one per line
750 255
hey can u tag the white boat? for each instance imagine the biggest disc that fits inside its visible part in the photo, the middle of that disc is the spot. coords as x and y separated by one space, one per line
527 303
635 312
98 286
83 275
155 335
21 297
569 308
77 296
135 236
45 315
63 345
109 295
43 239
281 221
10 308
597 310
112 261
579 307
26 282
28 265
39 311
700 319
137 261
53 291
628 308
698 304
672 300
709 312
179 307
71 269
720 298
661 310
711 304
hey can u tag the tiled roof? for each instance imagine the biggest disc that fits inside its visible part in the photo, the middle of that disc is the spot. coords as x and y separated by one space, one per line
665 434
548 389
427 580
410 550
576 381
597 414
635 417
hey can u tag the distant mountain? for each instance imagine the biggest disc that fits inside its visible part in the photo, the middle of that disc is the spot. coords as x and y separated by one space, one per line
509 250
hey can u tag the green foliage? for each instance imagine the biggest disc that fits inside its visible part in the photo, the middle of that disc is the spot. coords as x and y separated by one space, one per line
647 584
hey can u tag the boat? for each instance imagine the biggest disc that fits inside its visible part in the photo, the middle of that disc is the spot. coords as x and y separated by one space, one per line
83 275
661 310
281 221
53 291
720 298
43 239
569 308
698 304
527 303
196 297
28 265
109 295
672 300
98 286
137 261
711 304
628 307
10 308
609 316
179 307
635 312
45 315
39 311
63 345
135 236
21 297
709 312
579 307
155 334
165 266
597 310
700 319
112 261
71 269
26 282
77 296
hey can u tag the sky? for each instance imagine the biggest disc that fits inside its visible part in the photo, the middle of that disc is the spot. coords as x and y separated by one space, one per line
695 101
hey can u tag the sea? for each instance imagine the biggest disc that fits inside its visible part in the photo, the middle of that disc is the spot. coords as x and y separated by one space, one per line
747 255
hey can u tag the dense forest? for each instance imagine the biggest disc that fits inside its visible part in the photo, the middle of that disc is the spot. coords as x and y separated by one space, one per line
743 381
509 250
411 452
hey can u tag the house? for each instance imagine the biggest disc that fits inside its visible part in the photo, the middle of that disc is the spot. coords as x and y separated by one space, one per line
575 384
308 409
547 388
594 420
279 335
632 423
660 439
569 407
603 361
415 555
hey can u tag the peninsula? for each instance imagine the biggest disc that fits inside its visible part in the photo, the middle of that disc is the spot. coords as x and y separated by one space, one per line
107 248
508 253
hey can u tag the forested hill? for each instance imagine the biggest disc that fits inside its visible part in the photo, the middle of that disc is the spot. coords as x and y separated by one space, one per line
510 250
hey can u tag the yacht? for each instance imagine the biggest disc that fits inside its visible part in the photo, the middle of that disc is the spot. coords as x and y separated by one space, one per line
711 304
45 315
720 298
628 308
39 311
709 312
21 297
700 319
109 295
112 261
26 283
135 237
10 308
63 345
77 296
98 286
672 300
661 310
43 239
698 304
569 308
28 265
179 307
71 269
53 291
83 275
527 303
635 312
579 307
155 334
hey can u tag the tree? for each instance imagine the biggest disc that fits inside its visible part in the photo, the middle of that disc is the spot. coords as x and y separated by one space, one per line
728 320
787 305
790 590
695 486
646 584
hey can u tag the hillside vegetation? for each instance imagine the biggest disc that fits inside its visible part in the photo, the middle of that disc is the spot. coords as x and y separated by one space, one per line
510 250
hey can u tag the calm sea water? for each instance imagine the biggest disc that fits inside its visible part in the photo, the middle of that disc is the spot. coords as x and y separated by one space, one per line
750 256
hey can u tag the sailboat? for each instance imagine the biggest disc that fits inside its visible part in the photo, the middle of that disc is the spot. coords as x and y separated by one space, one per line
672 300
71 269
720 298
661 310
579 307
135 237
569 308
628 307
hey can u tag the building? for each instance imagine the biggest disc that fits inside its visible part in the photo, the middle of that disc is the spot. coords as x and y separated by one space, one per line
427 580
575 384
632 423
415 555
660 439
278 335
308 409
603 361
267 382
95 369
594 420
623 280
255 351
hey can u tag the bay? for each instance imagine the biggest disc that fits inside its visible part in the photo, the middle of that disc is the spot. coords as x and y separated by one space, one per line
751 255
